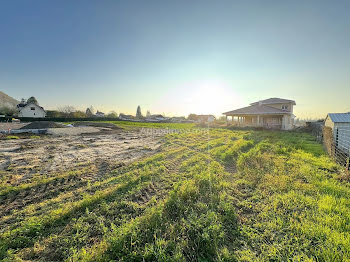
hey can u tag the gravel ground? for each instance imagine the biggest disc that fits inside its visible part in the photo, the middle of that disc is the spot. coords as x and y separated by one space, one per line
72 131
7 126
20 159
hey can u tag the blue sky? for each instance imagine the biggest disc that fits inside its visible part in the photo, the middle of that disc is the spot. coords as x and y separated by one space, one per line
177 57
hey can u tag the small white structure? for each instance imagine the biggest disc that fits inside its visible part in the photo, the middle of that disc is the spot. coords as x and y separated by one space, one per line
31 110
340 125
126 117
156 118
206 118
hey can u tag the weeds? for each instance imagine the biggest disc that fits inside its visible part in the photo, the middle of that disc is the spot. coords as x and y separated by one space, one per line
12 137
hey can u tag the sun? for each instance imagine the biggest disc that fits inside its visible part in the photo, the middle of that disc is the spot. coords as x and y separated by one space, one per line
213 97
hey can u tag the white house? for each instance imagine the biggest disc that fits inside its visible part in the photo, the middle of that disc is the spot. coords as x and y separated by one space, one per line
156 118
100 114
31 110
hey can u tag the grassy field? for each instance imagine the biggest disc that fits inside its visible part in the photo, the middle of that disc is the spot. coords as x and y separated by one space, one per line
222 195
128 124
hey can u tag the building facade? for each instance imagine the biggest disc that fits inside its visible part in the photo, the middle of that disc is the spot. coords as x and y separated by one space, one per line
272 113
31 110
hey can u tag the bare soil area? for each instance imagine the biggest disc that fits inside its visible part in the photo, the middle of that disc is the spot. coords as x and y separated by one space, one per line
20 159
7 126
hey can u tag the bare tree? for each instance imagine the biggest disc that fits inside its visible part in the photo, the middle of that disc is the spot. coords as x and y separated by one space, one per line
66 110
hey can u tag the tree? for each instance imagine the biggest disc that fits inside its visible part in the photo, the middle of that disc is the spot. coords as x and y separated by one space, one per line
78 114
222 118
138 113
67 111
88 112
54 113
112 114
148 114
8 111
193 117
33 100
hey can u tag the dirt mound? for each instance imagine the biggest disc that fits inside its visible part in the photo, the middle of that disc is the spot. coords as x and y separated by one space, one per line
96 124
42 125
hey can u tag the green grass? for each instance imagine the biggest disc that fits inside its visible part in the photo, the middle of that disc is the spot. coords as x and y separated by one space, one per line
153 125
12 137
131 125
218 196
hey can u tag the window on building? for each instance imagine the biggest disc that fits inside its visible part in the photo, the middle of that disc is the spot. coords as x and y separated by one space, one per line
284 107
32 108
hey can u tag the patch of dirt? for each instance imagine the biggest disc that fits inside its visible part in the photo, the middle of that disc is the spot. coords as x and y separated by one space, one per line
54 154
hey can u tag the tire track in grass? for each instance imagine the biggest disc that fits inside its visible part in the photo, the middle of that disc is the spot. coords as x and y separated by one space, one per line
142 194
30 230
60 217
184 168
170 226
62 199
26 234
173 166
118 175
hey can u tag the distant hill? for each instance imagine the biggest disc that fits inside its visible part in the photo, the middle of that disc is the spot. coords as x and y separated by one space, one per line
7 101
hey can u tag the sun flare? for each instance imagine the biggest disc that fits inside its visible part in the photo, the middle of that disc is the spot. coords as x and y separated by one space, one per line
213 97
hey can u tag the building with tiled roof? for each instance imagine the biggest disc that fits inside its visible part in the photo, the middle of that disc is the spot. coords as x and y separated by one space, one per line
274 113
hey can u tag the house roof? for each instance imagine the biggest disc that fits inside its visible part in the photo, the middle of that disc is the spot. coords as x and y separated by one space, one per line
340 117
273 100
257 110
205 116
156 116
21 106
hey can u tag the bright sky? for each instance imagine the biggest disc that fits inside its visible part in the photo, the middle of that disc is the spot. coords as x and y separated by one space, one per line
177 57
